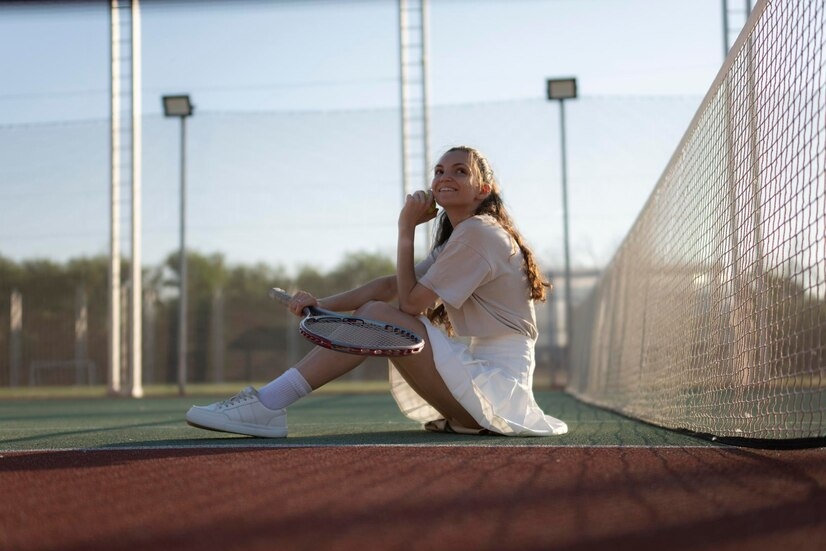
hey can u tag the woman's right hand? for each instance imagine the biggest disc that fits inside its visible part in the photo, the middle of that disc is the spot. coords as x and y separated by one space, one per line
301 300
418 208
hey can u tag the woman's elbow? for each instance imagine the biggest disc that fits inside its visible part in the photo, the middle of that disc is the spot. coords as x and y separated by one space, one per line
410 308
418 301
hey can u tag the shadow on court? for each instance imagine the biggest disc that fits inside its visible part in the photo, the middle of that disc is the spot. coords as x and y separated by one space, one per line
413 497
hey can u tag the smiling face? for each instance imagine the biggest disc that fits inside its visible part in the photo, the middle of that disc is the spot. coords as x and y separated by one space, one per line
456 184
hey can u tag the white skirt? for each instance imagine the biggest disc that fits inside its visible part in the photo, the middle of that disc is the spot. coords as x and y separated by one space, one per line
492 378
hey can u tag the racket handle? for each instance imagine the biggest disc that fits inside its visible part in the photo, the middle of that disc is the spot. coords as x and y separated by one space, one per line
280 295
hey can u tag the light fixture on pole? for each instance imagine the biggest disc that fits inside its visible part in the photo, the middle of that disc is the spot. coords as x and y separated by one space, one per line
559 90
180 106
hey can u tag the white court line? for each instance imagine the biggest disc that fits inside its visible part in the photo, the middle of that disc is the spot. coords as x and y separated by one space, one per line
247 447
179 424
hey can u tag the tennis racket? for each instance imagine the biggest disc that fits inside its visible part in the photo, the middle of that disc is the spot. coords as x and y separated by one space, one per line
352 334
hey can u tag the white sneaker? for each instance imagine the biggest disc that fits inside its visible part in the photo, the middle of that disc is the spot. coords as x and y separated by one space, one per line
241 414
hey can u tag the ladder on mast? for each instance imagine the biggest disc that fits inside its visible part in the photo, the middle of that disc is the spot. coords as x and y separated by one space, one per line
125 312
415 116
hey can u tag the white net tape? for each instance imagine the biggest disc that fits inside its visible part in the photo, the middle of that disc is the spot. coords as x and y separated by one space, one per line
711 317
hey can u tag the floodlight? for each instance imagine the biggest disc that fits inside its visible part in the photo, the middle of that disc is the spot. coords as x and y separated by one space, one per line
561 88
177 106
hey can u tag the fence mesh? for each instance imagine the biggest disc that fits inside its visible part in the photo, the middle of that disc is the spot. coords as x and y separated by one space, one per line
253 181
711 316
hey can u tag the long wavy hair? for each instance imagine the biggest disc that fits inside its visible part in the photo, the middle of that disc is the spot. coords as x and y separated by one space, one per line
493 205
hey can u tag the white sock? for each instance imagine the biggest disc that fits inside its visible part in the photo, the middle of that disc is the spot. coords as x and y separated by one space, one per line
284 390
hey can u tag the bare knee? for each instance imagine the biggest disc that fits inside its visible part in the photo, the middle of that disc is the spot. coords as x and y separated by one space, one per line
377 310
387 313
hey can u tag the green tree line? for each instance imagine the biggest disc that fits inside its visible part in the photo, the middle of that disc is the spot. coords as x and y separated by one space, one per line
235 332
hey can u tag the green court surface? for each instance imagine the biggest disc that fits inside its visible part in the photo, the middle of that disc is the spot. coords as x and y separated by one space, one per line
326 419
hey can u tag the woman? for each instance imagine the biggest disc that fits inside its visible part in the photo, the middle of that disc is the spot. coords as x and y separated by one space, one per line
480 282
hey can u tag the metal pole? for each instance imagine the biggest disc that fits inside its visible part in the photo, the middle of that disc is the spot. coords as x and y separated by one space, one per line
568 303
725 29
114 386
403 94
182 271
137 159
425 38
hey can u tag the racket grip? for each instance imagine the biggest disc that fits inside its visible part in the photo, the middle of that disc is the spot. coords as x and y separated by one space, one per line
280 295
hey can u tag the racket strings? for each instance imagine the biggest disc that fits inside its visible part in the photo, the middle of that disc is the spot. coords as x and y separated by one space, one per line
361 334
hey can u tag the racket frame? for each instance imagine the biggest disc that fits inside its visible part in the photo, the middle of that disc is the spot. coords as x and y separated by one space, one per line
313 314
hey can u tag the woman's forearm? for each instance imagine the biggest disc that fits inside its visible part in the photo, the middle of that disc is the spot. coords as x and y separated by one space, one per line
382 289
413 297
405 272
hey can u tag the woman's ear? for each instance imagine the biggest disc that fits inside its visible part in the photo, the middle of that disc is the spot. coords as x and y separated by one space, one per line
485 190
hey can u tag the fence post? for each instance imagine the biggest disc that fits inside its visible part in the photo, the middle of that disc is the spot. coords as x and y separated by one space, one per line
150 326
81 333
217 335
16 345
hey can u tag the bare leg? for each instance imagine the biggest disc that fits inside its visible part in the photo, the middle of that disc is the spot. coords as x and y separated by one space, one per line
322 365
419 370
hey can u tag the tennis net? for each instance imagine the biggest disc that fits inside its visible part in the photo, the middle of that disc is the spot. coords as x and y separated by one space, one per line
711 316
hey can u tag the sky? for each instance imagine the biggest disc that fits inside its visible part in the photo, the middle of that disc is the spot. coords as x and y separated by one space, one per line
294 153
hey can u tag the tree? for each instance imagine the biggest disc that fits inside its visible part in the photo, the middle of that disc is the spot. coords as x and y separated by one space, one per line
359 268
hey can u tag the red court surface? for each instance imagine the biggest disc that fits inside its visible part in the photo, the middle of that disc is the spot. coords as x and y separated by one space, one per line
412 497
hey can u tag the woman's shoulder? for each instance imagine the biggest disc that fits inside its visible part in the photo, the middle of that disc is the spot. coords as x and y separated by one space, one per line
481 228
480 225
